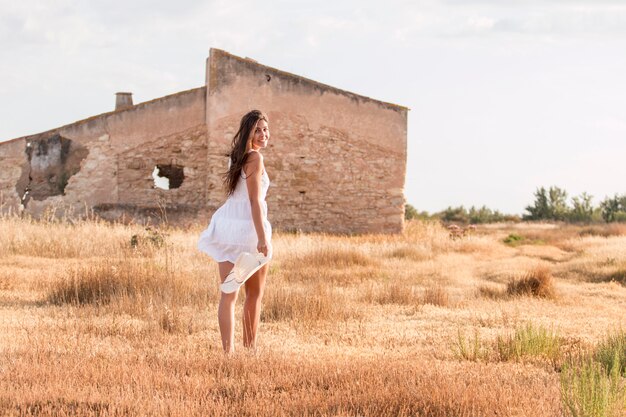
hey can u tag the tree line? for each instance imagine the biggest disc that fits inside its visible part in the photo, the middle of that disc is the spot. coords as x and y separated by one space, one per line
551 204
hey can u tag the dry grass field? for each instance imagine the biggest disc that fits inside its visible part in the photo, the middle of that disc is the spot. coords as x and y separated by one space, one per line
508 320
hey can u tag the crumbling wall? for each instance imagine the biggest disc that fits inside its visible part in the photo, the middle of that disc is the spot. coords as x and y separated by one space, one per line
52 161
337 161
77 162
12 162
92 163
169 132
182 151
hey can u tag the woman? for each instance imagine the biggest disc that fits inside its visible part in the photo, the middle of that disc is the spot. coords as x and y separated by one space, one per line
241 225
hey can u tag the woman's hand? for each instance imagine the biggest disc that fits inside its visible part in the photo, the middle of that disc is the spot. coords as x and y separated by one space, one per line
262 247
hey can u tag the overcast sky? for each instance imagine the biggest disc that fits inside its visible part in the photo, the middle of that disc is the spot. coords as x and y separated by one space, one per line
505 95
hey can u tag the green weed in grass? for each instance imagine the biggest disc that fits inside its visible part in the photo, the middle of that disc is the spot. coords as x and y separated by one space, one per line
471 349
529 341
614 346
588 390
513 239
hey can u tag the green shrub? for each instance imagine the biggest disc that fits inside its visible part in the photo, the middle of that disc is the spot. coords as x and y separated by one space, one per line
582 209
486 215
612 352
471 349
529 340
454 215
151 237
513 239
588 390
474 215
614 209
411 213
549 204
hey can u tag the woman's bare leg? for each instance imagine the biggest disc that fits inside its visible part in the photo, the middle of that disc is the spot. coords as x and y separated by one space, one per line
252 306
226 311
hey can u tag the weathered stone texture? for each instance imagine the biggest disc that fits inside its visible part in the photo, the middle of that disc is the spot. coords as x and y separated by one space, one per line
330 182
336 160
95 182
136 164
53 161
12 162
158 118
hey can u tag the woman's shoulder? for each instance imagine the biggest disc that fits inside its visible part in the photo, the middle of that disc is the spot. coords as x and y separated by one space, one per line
252 154
254 158
254 162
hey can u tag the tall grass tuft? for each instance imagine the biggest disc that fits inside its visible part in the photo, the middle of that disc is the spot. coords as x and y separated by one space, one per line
471 349
171 321
617 276
612 352
405 294
437 296
491 292
535 283
604 230
414 253
391 293
337 257
130 282
309 304
529 340
28 237
588 390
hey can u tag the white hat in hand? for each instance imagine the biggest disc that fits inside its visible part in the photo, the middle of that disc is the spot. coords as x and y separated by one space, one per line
245 266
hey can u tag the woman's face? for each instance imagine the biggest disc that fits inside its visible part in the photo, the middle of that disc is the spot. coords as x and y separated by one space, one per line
260 135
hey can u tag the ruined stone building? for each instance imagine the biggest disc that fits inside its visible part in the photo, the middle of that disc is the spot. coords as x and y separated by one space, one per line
336 160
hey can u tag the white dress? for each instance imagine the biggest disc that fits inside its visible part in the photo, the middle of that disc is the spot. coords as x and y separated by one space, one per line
231 230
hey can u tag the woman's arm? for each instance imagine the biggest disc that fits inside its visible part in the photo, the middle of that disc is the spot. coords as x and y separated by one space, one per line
254 170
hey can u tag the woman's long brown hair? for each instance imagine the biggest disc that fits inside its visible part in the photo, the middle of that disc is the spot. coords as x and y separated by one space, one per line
239 150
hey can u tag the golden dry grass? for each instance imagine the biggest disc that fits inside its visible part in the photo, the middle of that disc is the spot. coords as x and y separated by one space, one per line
535 283
96 322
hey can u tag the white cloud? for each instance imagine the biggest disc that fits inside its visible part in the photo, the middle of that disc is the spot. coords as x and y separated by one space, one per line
535 19
480 23
610 124
313 41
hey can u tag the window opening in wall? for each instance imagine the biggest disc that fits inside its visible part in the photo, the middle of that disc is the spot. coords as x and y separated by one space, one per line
167 177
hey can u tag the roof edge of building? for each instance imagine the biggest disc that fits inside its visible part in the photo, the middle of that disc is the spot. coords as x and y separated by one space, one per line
251 61
97 116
